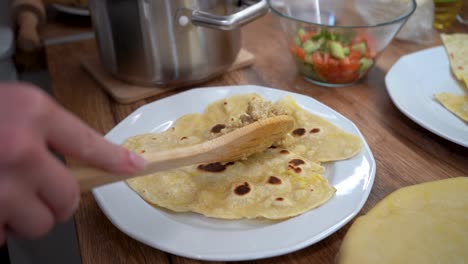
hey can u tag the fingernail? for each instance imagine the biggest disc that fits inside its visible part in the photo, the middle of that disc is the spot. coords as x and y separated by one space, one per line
137 161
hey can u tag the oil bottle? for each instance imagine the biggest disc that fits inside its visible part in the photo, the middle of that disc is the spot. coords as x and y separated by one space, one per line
445 13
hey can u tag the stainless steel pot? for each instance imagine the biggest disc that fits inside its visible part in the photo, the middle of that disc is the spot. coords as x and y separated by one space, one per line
170 42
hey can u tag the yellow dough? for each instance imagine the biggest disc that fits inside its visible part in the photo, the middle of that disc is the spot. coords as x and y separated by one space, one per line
421 224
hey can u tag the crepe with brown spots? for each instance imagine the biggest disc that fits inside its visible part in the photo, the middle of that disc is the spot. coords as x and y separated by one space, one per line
283 181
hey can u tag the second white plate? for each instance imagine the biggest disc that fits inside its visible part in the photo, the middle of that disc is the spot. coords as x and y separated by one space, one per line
71 10
195 236
412 82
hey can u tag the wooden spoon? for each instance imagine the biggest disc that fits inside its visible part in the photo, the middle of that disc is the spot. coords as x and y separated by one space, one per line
236 145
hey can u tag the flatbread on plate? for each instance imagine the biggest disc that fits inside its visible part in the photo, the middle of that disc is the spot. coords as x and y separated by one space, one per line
283 181
456 46
457 104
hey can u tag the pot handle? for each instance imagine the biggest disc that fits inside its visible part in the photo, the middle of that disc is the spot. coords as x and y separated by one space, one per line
205 19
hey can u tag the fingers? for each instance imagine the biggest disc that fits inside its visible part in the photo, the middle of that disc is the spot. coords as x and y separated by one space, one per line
56 186
2 236
36 190
23 213
35 195
72 137
30 218
5 202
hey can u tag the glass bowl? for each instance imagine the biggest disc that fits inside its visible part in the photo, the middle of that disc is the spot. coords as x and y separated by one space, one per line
335 43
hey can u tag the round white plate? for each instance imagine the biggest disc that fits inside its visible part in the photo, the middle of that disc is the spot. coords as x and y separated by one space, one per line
412 82
71 10
195 236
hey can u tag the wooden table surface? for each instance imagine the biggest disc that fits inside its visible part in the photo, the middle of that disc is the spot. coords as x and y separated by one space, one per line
405 152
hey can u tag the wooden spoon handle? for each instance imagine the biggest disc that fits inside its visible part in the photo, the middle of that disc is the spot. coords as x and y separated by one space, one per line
90 177
235 145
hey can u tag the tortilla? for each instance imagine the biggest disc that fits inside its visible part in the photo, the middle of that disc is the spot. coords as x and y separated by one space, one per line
456 46
425 223
457 104
281 182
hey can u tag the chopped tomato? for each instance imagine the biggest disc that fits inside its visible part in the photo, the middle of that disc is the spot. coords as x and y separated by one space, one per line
307 36
349 65
317 58
354 55
299 52
370 43
326 58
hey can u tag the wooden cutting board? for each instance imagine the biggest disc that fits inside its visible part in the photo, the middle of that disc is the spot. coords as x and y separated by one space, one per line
125 93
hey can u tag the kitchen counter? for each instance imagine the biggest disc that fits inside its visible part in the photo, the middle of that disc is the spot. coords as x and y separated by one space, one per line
405 152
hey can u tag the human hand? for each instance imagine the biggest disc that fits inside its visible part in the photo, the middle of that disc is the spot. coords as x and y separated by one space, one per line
36 189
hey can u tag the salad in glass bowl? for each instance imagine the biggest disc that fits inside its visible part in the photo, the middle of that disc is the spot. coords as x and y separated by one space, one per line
335 43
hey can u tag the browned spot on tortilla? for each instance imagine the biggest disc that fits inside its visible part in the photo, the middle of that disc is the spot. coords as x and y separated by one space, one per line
274 180
182 138
214 167
279 199
217 128
142 151
314 130
273 146
242 189
284 151
296 162
295 169
225 103
299 132
294 165
460 67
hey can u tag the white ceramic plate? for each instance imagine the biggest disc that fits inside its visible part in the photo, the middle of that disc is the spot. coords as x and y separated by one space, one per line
412 82
195 236
71 10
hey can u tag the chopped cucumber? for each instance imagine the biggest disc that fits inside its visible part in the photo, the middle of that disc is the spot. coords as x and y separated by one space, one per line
337 50
346 51
301 32
360 47
322 35
297 41
320 41
310 46
309 71
364 65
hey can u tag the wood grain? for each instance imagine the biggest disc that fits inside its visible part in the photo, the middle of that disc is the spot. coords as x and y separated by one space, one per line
405 152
